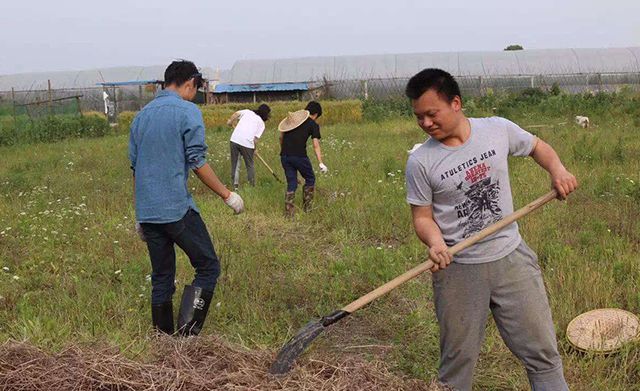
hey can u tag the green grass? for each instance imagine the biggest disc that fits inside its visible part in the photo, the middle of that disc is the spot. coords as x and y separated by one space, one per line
77 273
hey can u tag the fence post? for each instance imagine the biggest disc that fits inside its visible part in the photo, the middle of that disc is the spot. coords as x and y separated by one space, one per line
365 87
599 82
79 108
50 97
13 103
479 85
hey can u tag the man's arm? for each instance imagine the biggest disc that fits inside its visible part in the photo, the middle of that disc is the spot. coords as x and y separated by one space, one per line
429 233
561 179
207 176
233 120
317 150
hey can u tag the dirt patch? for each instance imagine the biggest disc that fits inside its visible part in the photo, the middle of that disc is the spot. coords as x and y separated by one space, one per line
192 364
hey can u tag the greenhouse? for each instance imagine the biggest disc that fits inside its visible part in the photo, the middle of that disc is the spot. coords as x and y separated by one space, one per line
575 70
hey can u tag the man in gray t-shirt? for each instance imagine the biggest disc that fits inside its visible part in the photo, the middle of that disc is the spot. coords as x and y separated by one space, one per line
458 184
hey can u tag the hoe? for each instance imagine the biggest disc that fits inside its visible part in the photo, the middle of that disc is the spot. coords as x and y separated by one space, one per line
296 345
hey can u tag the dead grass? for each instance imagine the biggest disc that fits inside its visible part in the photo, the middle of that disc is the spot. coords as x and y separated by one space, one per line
187 364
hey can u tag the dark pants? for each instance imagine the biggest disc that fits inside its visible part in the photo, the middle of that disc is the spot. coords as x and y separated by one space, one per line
247 155
294 164
191 235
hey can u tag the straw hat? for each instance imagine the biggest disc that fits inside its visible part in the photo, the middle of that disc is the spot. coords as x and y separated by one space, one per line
293 120
603 330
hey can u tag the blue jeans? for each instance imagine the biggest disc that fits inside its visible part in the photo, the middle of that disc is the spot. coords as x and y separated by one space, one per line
294 164
191 235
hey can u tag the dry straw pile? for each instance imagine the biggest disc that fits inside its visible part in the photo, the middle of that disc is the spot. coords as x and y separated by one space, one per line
195 364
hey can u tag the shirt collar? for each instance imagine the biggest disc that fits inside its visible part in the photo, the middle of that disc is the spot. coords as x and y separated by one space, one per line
168 93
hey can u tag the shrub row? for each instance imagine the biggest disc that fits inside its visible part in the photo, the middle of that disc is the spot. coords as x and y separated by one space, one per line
51 129
216 116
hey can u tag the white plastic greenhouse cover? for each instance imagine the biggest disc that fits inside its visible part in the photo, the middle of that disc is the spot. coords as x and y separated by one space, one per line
84 79
504 63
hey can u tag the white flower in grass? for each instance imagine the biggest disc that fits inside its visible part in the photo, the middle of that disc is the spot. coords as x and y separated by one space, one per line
16 278
147 277
378 248
379 180
116 242
6 269
119 271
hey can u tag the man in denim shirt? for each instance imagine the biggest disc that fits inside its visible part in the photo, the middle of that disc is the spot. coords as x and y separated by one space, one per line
166 141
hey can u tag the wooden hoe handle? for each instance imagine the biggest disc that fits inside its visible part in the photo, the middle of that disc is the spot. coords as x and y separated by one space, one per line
421 268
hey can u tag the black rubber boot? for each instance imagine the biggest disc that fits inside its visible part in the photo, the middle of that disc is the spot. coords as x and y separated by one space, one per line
193 310
307 197
162 317
289 206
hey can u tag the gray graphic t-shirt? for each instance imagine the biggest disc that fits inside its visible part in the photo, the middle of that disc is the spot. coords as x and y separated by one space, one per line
468 185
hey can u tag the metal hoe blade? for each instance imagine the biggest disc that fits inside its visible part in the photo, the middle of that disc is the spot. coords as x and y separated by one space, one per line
296 345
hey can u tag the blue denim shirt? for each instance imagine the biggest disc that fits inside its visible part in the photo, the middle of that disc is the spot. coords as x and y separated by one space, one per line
165 142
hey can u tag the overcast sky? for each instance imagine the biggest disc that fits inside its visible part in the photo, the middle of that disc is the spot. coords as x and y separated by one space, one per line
73 35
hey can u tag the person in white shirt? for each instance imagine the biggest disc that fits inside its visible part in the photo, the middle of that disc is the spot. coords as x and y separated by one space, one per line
249 126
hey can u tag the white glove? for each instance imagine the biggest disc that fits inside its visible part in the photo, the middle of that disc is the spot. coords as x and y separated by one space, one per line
323 168
234 201
140 232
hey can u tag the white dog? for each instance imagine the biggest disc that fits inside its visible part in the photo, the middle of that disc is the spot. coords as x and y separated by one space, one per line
582 121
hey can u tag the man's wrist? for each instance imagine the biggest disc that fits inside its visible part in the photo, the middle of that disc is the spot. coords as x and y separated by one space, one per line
557 169
226 195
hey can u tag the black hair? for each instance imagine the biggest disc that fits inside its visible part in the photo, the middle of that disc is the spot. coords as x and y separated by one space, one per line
432 78
263 111
314 108
179 72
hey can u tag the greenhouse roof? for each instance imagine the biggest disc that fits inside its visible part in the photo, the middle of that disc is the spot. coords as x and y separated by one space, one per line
502 63
86 78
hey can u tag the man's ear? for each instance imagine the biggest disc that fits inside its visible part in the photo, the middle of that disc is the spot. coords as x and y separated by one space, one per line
456 103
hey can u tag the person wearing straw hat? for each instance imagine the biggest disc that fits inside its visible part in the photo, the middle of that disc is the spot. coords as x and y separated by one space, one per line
248 127
458 184
167 140
295 130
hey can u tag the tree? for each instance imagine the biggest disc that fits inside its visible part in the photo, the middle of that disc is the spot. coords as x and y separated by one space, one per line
514 47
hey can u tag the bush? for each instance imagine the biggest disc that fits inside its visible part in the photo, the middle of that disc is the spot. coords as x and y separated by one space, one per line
216 116
53 128
379 109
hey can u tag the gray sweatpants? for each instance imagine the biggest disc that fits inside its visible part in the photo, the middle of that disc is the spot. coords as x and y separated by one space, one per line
238 150
513 290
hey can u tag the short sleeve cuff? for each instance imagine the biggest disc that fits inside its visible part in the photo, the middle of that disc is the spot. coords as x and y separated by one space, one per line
415 202
532 145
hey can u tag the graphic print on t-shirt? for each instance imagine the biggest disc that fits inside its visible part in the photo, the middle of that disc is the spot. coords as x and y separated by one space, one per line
481 206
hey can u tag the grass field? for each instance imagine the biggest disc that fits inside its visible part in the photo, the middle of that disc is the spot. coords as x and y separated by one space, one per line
73 270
